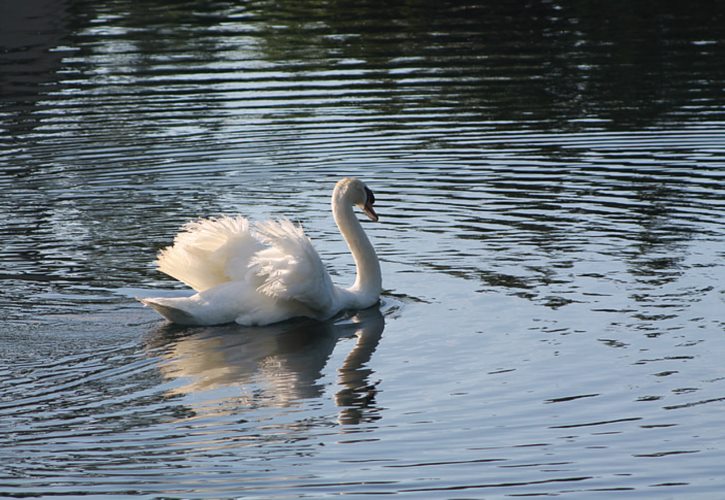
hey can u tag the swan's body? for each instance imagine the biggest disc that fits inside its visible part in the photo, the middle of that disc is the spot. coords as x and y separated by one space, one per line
262 273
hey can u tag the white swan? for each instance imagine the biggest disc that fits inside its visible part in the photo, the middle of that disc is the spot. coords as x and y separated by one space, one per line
262 273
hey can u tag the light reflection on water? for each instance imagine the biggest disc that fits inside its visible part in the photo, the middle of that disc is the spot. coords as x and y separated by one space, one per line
273 366
551 238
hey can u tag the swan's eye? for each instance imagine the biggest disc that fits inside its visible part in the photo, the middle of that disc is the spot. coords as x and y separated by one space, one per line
370 196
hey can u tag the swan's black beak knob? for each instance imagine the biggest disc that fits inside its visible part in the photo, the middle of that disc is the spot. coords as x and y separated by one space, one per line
368 207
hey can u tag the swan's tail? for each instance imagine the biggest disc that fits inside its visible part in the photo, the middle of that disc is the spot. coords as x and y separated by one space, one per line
168 308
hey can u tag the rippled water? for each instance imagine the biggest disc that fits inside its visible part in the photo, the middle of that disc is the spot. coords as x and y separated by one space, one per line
550 184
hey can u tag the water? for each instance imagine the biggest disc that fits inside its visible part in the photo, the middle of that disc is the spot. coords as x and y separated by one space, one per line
550 184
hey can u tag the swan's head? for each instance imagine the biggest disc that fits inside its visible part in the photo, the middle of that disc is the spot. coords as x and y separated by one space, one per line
355 192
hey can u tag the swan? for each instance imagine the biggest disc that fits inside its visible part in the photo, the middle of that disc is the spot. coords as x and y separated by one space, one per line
256 274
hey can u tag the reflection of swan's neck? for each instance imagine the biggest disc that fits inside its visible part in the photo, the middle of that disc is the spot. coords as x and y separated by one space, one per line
368 283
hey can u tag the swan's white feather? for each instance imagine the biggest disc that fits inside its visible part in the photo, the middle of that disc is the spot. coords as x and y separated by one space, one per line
209 252
291 267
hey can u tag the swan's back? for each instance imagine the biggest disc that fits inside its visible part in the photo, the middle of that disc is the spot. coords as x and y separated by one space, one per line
292 268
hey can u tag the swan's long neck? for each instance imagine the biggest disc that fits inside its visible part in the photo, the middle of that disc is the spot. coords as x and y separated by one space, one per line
368 282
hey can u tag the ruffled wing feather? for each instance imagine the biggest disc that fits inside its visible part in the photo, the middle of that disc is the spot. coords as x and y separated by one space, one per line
209 252
291 268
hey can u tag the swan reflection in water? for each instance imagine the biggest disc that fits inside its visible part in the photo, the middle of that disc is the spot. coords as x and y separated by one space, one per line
278 365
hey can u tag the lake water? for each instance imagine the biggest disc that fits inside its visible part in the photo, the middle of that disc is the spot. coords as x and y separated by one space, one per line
550 181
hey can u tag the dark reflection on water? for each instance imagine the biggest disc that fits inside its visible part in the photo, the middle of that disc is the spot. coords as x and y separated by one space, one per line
549 177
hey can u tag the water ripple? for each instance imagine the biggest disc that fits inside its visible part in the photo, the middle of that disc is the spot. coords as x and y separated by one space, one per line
550 184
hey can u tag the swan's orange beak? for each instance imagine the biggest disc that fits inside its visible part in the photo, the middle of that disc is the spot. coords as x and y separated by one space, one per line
370 212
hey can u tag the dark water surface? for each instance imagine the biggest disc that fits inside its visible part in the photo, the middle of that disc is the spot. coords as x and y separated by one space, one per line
551 185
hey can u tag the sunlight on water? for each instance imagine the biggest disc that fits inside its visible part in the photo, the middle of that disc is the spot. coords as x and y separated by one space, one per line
550 182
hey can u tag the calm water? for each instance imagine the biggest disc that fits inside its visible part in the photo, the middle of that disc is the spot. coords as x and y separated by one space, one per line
551 188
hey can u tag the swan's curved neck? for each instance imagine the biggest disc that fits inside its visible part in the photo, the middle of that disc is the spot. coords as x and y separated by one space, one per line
368 282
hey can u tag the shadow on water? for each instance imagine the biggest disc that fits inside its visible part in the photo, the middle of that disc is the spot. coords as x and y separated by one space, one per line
506 62
30 33
503 62
273 366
